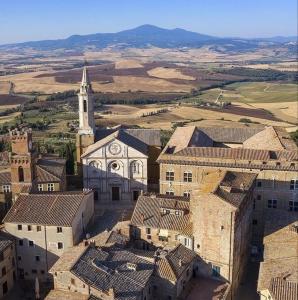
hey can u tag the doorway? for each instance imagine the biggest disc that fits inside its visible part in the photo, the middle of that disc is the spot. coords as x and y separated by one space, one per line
115 193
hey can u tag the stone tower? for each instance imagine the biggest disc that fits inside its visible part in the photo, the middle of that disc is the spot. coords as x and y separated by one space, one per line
22 161
85 136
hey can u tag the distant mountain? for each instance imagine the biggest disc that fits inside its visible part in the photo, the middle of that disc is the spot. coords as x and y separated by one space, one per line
145 36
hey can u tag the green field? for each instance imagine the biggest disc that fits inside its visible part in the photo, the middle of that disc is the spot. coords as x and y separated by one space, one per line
254 92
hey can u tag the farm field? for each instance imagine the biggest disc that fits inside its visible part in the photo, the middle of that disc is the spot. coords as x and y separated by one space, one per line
254 92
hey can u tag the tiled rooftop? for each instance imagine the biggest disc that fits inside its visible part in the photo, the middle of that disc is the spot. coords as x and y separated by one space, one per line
106 268
5 240
149 212
56 209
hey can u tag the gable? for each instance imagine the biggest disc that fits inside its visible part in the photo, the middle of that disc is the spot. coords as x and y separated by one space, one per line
113 148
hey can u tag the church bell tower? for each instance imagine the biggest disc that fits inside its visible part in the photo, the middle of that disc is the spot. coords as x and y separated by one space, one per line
86 133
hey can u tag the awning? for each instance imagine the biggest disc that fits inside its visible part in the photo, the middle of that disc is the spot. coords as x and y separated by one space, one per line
163 232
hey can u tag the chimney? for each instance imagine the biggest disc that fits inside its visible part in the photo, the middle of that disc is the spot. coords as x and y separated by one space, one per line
180 262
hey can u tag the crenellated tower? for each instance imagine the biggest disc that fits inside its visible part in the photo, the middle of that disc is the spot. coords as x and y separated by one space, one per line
86 132
22 161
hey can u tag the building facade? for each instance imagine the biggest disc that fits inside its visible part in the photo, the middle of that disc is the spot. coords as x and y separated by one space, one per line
117 163
194 152
7 264
44 226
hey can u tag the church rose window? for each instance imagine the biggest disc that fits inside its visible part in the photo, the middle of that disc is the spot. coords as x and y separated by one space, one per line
115 166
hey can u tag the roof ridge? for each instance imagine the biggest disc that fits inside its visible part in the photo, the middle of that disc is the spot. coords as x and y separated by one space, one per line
39 166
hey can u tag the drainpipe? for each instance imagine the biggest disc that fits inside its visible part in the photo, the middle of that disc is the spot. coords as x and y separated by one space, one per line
230 255
46 246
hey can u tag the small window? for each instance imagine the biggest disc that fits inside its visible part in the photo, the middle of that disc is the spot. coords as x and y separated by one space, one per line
254 222
19 258
72 281
29 228
294 184
60 245
40 187
170 176
38 228
272 203
6 188
215 271
148 230
59 229
3 271
21 174
37 258
21 242
170 193
34 271
20 227
51 187
85 105
293 205
259 183
186 194
31 243
42 272
187 177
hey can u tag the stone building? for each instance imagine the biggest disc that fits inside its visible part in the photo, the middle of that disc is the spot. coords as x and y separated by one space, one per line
221 214
269 152
45 225
117 163
161 220
27 172
7 264
111 272
106 273
278 275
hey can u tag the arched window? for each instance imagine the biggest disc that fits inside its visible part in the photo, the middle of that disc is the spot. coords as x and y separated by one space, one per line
85 105
21 174
135 167
93 164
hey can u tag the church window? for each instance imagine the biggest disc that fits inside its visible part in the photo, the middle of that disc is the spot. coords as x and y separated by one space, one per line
85 105
21 174
135 167
115 166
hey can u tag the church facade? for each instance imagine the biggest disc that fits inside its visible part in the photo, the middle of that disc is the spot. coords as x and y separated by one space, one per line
118 163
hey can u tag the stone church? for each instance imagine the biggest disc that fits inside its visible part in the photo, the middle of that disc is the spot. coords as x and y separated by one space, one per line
118 163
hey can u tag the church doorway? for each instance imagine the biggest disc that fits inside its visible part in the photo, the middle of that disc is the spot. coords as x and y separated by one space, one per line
115 193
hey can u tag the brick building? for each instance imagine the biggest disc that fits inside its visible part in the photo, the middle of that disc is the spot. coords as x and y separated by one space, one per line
269 152
7 263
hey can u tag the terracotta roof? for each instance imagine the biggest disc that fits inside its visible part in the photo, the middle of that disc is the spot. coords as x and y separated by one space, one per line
56 209
271 138
5 178
122 136
5 241
50 169
4 158
281 289
111 267
230 135
148 136
68 259
149 212
174 263
65 295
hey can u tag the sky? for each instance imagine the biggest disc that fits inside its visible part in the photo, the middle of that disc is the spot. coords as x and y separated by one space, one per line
26 20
